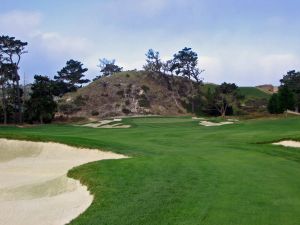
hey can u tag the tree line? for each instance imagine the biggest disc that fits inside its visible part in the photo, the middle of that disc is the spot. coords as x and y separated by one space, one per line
41 105
44 92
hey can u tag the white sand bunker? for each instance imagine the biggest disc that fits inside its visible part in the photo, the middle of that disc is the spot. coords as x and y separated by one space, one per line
197 118
34 188
293 144
212 124
115 123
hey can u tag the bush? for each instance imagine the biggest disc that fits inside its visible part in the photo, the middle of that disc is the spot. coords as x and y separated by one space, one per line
145 88
274 106
95 113
68 108
120 93
80 100
126 111
144 102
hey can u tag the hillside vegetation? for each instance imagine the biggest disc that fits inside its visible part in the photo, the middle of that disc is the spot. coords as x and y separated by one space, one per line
141 93
125 93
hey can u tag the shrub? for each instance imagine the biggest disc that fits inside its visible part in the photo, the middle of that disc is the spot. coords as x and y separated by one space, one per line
144 102
80 100
126 111
120 93
95 113
145 88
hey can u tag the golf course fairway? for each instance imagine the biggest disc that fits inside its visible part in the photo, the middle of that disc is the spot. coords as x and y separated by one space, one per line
181 173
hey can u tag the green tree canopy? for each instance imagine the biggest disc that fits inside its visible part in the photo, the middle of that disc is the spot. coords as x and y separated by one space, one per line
11 51
226 95
185 63
292 81
70 78
41 105
274 106
107 68
154 63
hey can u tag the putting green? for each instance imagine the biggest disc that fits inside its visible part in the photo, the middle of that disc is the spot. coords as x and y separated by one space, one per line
183 173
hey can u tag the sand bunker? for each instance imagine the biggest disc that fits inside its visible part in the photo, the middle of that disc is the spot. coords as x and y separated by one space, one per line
115 123
34 188
197 118
212 124
293 144
293 113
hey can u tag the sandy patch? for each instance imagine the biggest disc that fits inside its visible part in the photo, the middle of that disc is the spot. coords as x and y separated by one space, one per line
293 144
34 188
197 118
107 124
293 113
233 120
212 124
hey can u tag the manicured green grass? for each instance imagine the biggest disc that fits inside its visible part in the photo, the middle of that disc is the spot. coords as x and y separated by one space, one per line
183 173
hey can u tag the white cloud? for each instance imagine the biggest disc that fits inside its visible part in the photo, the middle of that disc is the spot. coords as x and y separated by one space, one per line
278 62
47 50
27 25
19 22
57 45
276 65
213 68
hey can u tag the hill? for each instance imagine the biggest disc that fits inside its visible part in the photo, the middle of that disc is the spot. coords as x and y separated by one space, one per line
126 93
268 88
143 93
254 93
255 101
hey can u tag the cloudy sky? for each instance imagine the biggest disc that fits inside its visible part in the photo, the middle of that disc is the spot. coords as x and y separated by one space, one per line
249 42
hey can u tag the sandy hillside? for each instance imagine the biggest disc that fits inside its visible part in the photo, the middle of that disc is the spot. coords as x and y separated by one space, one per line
34 188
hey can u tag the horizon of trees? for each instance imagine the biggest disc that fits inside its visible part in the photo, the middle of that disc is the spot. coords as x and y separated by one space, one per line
71 77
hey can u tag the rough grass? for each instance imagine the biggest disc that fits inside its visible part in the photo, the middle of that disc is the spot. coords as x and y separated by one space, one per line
181 173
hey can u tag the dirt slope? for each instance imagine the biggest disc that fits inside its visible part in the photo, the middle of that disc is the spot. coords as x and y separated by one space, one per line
126 93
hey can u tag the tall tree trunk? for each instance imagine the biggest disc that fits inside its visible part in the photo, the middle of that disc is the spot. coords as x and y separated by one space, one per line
19 104
14 101
193 106
223 114
192 96
4 105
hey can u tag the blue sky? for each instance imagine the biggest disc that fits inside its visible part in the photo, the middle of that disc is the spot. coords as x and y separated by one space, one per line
247 42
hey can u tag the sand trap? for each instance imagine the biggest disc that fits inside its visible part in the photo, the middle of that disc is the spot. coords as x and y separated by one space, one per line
293 144
197 118
233 120
212 124
34 188
107 124
293 113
